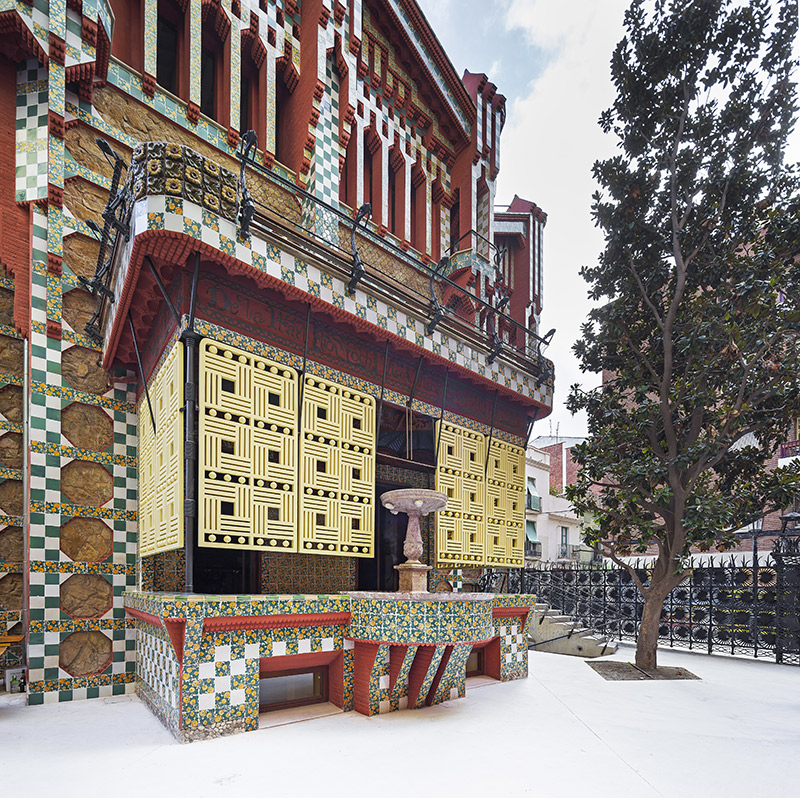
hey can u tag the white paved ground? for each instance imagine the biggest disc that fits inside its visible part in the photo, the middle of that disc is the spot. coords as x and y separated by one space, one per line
562 732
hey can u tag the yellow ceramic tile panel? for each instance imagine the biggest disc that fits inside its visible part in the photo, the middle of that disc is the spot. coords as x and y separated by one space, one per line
160 458
248 451
460 526
337 471
505 505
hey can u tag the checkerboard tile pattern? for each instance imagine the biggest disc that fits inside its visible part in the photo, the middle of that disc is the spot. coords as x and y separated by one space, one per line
514 648
156 664
32 132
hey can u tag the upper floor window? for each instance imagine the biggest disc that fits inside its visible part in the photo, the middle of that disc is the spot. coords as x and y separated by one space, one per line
167 55
171 56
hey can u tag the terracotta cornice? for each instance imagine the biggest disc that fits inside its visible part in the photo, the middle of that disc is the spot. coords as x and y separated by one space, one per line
231 623
510 612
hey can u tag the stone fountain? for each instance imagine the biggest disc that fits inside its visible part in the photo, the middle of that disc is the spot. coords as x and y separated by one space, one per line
414 502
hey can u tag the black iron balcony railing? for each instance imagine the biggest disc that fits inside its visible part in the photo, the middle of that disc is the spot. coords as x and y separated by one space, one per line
502 335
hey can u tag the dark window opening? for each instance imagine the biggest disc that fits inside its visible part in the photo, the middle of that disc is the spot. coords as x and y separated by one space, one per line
228 447
356 423
455 227
274 456
368 169
322 413
208 77
322 467
356 473
167 55
406 435
245 104
226 508
320 519
292 688
282 132
273 514
274 399
355 524
392 201
229 386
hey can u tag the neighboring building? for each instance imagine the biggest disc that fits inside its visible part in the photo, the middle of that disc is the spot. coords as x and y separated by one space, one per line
204 391
553 531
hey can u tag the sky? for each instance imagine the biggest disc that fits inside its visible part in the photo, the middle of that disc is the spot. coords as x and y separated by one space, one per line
550 58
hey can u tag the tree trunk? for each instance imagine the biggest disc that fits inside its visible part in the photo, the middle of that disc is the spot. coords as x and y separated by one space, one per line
647 642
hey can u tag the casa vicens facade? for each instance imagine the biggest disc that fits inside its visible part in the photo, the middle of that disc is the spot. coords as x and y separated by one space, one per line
253 278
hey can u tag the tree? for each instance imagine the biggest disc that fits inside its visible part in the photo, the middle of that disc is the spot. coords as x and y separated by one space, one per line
697 328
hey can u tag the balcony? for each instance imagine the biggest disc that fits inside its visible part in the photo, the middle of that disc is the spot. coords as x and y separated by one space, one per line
533 503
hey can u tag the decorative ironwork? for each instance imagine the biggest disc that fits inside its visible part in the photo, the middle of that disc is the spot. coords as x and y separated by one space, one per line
358 270
116 217
249 143
741 606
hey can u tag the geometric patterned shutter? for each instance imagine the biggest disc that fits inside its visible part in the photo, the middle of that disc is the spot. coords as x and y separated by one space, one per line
505 506
337 470
160 458
248 451
461 526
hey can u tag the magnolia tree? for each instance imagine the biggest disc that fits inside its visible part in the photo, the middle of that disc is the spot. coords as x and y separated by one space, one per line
696 328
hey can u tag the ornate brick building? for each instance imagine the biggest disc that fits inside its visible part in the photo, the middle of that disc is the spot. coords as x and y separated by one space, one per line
252 279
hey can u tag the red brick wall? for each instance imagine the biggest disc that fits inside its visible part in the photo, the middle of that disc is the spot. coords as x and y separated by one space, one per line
14 219
556 452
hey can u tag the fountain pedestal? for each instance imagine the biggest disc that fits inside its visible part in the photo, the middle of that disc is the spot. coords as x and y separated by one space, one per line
415 502
413 577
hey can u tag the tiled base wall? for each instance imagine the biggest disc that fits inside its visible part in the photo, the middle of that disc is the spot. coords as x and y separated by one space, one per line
307 573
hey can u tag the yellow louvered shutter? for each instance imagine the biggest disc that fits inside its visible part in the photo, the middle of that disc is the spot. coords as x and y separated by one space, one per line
461 525
337 468
505 505
160 458
247 470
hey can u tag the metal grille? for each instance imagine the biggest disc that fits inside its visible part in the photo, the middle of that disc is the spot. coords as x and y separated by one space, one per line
248 451
730 607
337 455
160 458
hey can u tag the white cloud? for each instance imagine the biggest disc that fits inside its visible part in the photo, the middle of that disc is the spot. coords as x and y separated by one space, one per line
552 139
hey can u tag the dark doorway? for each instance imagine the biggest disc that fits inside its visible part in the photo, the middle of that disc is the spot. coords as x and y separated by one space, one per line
225 571
390 531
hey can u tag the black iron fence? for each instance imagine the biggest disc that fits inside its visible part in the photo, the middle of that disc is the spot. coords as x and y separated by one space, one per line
740 606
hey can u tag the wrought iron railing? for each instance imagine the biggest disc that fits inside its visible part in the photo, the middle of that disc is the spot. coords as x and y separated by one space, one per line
735 607
517 338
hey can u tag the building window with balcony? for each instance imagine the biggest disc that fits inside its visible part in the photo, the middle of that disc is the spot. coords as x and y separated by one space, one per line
533 501
564 549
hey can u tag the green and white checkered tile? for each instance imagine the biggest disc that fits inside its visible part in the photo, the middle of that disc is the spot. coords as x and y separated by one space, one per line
32 132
